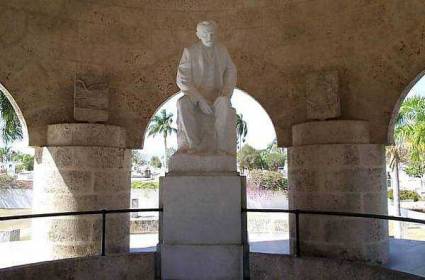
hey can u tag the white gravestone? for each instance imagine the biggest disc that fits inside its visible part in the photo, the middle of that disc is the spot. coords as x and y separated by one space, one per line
201 195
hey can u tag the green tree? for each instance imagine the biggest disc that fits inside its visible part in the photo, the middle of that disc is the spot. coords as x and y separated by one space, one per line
273 157
6 154
250 158
24 161
11 128
411 128
241 130
155 162
415 169
161 124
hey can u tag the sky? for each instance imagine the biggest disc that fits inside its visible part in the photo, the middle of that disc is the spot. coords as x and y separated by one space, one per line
260 128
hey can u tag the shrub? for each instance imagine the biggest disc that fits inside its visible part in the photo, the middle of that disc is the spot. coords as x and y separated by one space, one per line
405 195
269 180
150 185
7 182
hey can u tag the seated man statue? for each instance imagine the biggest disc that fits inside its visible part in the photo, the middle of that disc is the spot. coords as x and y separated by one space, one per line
207 76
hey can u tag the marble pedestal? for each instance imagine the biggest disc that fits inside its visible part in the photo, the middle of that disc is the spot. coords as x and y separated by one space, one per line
201 226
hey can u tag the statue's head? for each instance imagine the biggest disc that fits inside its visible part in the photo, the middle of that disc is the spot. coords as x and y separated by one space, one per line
206 32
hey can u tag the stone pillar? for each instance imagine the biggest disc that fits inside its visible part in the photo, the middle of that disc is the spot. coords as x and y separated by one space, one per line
83 167
332 167
201 225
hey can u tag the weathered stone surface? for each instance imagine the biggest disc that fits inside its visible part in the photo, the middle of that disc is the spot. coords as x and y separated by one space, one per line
117 267
84 134
139 45
90 115
270 266
79 178
181 163
91 102
330 132
322 95
81 157
346 177
262 266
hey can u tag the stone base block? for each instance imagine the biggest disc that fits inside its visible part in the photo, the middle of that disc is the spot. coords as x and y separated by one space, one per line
330 132
85 134
181 162
201 262
201 209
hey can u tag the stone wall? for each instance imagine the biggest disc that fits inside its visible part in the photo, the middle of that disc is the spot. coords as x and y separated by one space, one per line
375 47
269 266
119 267
142 266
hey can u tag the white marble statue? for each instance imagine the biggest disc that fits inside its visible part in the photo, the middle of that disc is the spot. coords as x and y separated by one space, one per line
207 76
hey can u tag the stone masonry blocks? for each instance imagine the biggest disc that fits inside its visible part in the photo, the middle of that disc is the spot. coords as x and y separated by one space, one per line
70 177
339 176
330 132
85 134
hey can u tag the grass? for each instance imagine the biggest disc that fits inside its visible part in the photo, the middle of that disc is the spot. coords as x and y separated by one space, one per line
147 185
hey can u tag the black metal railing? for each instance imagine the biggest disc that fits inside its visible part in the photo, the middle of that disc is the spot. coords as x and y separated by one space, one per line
103 213
298 212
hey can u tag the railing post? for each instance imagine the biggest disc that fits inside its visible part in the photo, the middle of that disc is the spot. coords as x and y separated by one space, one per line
103 231
297 234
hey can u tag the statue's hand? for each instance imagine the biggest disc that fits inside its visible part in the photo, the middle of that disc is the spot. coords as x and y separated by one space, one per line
222 101
203 105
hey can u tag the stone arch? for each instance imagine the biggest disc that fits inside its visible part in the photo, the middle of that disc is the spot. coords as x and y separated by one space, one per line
396 109
168 98
18 113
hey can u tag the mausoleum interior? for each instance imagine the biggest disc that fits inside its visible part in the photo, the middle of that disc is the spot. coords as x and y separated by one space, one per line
86 76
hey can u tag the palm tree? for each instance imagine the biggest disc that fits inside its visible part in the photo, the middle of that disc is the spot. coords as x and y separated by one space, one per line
6 154
411 126
11 129
409 135
161 124
241 129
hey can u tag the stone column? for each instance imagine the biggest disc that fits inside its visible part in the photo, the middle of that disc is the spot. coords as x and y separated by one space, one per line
332 167
83 167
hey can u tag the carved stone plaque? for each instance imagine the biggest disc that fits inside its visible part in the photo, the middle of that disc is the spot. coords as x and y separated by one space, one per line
322 95
91 102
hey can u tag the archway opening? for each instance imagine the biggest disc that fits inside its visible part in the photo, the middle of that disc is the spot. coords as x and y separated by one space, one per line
16 181
406 162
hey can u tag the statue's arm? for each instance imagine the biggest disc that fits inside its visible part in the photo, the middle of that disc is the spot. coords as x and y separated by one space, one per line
184 75
230 76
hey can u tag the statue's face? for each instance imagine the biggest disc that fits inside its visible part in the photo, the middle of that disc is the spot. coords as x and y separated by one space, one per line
208 36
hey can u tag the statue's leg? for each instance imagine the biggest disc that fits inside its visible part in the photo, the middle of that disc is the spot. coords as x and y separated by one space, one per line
187 124
225 126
